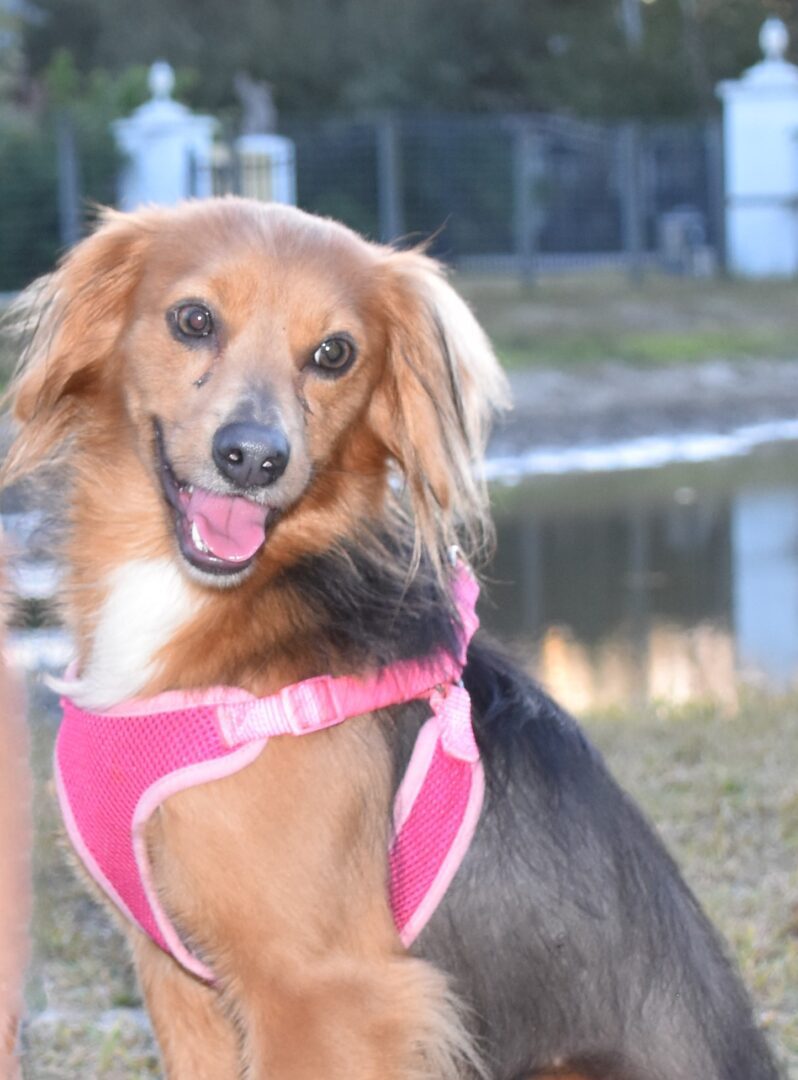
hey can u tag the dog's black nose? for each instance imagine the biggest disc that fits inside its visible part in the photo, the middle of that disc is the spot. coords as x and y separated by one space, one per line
250 454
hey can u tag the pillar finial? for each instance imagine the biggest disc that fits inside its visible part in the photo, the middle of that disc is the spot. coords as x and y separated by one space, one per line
161 80
774 39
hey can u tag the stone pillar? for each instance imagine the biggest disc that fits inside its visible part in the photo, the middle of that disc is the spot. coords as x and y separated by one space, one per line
761 162
167 148
267 165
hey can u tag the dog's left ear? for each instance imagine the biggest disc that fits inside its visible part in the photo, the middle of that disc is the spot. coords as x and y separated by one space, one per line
433 408
70 321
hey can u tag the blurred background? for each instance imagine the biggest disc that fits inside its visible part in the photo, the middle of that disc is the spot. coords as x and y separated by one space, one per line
538 132
614 187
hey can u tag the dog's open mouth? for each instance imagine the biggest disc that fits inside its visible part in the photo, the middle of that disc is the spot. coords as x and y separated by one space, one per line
220 534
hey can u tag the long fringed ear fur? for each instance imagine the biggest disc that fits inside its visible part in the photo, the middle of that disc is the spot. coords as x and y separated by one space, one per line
433 410
68 323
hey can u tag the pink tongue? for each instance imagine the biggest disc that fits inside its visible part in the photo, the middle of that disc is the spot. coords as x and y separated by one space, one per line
231 528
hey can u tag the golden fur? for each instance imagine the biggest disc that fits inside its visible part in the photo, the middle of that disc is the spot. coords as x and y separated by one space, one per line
313 981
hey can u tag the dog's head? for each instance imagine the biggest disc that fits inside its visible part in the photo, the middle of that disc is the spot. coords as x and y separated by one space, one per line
253 374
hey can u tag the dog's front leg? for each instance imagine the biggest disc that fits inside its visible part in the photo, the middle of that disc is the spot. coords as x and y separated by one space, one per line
286 897
197 1041
341 1018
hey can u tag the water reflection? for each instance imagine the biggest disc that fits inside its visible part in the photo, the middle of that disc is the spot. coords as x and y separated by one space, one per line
765 580
670 584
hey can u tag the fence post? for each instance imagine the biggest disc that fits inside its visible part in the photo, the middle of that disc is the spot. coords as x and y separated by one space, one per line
526 168
390 203
632 212
716 182
68 180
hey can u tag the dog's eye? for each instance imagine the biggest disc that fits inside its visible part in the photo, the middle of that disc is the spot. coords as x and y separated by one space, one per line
335 354
193 320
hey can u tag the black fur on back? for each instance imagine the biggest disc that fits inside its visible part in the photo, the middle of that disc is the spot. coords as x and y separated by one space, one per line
513 715
368 607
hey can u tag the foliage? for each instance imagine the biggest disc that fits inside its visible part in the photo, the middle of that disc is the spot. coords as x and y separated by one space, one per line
30 238
27 191
334 56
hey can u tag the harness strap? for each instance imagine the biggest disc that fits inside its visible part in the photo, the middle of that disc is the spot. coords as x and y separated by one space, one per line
325 701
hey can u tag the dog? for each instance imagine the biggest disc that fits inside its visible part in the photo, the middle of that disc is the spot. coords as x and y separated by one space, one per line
267 432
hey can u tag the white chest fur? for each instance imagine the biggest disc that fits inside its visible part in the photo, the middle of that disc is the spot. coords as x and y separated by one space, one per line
146 603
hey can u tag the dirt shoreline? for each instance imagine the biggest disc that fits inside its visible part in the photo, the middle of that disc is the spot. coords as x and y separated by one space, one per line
615 402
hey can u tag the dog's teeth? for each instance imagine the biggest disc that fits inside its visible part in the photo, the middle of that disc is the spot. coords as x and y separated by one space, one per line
197 540
189 489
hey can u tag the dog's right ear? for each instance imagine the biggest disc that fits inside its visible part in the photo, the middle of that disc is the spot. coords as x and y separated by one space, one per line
68 324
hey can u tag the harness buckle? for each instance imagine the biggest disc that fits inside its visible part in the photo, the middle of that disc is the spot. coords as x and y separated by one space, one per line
311 706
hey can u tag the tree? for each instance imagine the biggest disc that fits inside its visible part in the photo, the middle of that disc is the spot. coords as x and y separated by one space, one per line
333 56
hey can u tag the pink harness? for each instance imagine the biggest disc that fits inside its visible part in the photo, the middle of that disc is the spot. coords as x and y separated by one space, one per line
114 769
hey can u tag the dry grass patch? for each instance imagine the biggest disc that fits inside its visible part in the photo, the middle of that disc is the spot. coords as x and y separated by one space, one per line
723 792
578 320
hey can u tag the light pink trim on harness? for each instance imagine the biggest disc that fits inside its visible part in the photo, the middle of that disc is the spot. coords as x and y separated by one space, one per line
424 821
197 736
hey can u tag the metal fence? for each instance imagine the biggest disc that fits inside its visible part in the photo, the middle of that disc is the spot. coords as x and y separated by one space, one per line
51 175
493 191
519 192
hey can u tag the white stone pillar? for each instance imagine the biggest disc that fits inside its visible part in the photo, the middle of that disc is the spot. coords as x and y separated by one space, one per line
165 145
761 167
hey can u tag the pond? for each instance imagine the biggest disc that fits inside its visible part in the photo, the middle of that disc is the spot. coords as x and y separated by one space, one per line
670 583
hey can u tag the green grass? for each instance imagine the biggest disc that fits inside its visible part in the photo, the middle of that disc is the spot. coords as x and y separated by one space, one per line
722 790
581 320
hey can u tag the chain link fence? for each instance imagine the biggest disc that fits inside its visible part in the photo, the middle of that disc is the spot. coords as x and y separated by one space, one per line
52 174
523 193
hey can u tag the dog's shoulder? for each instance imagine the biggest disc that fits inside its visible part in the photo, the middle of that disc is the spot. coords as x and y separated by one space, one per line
517 724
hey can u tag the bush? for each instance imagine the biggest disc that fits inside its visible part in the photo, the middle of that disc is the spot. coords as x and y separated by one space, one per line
29 235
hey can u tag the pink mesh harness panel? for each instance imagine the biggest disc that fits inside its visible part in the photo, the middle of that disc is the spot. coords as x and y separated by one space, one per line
114 768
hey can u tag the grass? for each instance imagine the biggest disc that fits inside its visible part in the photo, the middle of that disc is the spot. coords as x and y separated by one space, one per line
723 793
580 320
85 1009
722 790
